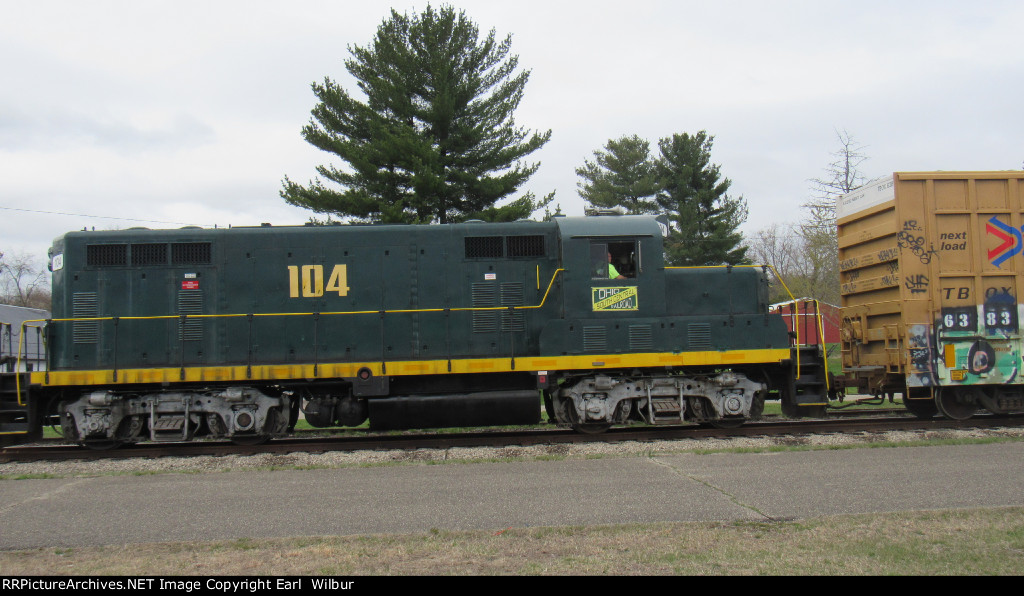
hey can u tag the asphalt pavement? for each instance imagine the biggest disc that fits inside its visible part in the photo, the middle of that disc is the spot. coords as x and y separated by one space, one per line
104 510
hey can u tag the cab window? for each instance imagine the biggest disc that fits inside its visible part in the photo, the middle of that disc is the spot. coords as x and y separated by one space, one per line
613 260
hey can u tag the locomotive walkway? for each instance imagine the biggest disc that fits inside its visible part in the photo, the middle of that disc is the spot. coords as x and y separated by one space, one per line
73 512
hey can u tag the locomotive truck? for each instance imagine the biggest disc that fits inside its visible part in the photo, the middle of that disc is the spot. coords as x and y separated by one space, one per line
171 334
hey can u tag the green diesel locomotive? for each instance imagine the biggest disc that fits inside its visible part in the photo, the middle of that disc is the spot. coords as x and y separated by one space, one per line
170 334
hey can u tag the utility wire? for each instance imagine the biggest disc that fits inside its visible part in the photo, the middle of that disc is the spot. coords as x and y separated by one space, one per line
104 216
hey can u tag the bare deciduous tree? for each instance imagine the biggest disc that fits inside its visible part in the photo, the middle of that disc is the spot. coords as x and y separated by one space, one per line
841 175
779 247
23 282
821 242
807 255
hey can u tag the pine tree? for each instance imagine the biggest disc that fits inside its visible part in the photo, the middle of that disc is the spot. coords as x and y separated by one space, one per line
435 139
621 175
703 219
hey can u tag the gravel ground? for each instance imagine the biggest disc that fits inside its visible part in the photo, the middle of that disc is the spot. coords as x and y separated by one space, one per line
228 463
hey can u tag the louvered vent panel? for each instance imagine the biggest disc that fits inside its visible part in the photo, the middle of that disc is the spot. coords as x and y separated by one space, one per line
640 337
595 339
84 305
190 302
512 295
485 295
699 335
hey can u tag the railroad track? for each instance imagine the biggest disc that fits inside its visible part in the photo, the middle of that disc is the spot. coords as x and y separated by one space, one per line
368 441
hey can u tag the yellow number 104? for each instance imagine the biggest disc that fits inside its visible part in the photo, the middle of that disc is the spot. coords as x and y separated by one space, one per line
312 279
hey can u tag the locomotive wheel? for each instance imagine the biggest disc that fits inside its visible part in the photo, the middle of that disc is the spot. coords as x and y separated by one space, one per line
250 440
922 408
560 408
953 403
127 431
703 416
591 429
587 428
726 423
273 421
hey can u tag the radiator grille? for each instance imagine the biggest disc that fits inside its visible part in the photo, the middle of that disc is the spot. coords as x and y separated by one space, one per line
190 253
106 255
149 254
525 246
485 247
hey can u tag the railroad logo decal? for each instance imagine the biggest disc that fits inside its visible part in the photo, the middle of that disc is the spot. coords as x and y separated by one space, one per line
622 298
1009 237
312 281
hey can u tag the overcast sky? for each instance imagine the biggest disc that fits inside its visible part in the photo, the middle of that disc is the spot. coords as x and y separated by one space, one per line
189 112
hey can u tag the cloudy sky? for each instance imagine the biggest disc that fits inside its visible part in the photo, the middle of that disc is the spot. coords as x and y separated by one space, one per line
116 114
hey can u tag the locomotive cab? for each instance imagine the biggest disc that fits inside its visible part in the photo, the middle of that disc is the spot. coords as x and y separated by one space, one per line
656 343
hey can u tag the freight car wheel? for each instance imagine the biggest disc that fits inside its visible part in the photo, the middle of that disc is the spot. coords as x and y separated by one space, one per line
955 403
